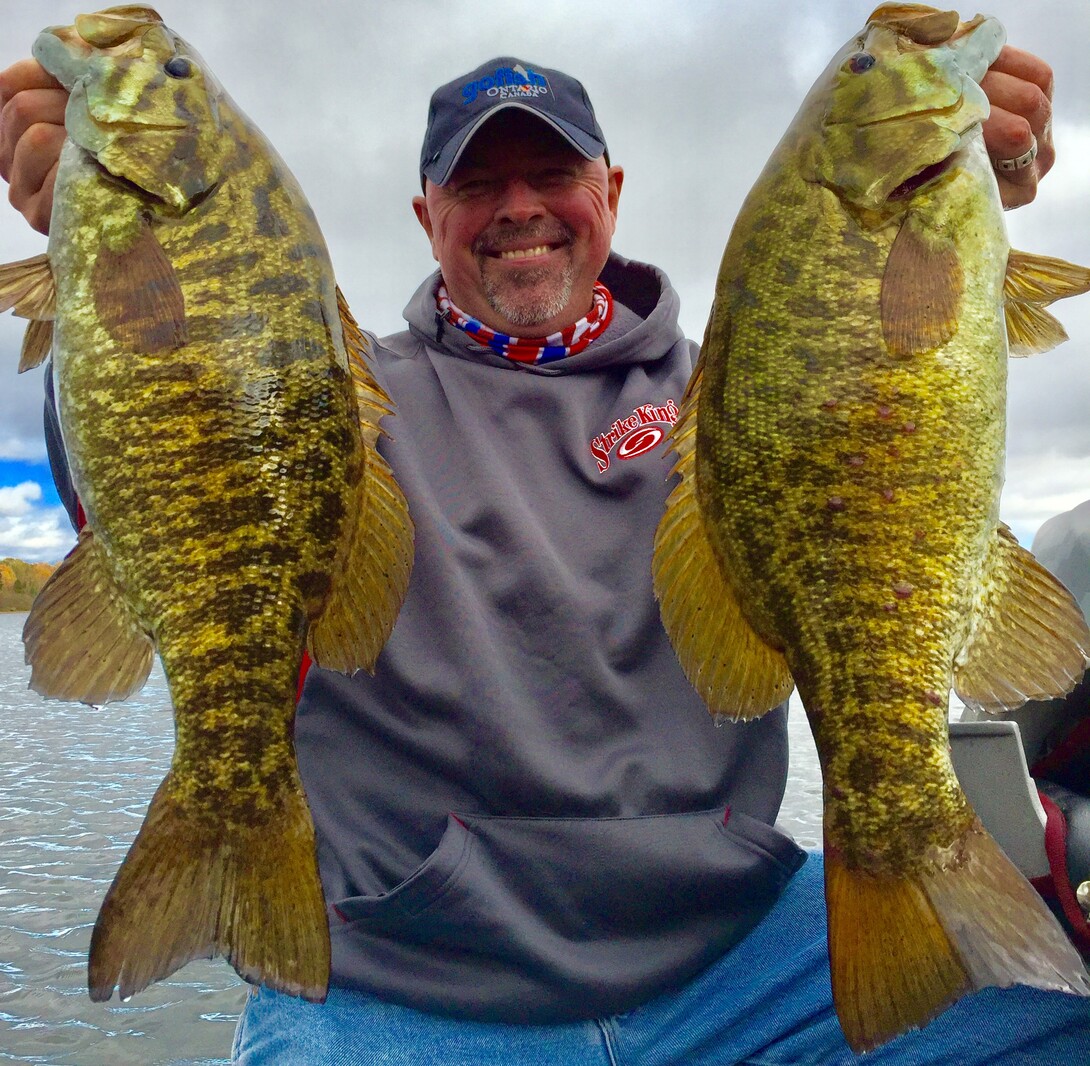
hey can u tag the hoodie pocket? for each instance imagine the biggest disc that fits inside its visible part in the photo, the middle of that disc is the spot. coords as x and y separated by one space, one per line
535 888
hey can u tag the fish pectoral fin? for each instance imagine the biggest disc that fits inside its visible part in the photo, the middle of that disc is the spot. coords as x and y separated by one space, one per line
1028 640
1031 284
83 642
902 947
736 673
922 285
137 295
198 883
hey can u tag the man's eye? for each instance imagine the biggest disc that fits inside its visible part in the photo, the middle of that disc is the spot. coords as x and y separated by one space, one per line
556 176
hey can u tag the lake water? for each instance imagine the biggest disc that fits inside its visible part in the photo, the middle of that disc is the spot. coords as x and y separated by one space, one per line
75 782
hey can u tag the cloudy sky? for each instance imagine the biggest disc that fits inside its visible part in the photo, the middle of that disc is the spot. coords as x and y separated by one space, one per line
692 95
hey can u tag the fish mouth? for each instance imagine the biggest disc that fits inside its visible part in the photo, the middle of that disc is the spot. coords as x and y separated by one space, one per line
138 191
907 116
921 178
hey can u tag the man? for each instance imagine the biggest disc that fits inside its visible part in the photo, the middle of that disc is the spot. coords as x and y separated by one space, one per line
535 845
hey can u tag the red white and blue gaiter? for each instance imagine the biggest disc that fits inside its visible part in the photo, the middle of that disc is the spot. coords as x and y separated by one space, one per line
569 341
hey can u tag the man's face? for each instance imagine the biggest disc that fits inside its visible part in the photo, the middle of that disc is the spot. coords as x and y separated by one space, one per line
523 228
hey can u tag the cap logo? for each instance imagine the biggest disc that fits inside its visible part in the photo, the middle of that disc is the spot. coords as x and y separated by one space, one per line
507 83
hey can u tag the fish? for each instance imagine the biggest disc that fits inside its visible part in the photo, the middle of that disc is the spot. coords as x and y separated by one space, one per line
835 527
221 423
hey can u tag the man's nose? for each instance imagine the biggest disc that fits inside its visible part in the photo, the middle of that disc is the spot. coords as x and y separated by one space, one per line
519 202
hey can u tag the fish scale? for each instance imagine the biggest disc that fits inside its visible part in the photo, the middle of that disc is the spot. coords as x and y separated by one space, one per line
836 528
220 424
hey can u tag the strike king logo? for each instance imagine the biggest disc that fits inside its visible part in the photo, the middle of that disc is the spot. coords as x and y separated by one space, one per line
636 435
507 83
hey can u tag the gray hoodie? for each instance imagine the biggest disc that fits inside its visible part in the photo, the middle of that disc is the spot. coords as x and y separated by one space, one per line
527 814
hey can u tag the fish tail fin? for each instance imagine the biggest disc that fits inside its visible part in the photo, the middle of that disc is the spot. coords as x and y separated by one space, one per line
902 949
194 887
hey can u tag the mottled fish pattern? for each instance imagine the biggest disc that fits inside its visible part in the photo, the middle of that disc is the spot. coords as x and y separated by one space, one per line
836 527
220 423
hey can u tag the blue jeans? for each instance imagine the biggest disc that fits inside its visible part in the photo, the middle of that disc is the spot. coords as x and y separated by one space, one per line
766 1002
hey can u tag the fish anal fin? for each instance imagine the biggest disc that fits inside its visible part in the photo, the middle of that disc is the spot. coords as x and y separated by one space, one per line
36 344
921 292
27 288
83 641
734 670
137 295
1028 639
194 886
1032 283
902 948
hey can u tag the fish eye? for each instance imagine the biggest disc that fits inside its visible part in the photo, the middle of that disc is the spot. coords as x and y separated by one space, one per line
860 62
178 67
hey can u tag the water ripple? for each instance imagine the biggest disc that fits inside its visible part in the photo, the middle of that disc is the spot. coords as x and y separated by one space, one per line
75 782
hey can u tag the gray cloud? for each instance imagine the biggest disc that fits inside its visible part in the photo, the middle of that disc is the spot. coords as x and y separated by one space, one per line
692 97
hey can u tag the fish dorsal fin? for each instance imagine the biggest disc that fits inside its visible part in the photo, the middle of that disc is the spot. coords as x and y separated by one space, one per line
921 291
735 672
373 403
1028 641
27 288
369 588
83 642
137 295
1031 284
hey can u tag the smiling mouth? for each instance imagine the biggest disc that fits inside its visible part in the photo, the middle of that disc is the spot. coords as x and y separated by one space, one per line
514 254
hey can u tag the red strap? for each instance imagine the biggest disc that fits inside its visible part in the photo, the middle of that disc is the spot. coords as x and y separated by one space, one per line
81 518
1058 884
302 676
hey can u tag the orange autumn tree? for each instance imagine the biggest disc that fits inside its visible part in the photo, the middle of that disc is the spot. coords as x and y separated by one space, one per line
20 582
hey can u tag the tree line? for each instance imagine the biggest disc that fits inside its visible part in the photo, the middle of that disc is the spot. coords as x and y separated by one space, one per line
20 582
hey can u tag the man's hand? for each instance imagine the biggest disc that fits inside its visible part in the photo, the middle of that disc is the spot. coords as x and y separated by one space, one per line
1019 86
31 134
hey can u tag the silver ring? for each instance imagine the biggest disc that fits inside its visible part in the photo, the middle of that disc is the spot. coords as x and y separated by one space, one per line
1019 162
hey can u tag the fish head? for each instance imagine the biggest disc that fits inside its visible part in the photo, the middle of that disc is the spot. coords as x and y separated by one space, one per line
142 102
899 102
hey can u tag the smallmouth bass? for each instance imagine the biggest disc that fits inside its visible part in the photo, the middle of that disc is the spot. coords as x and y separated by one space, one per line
221 426
836 526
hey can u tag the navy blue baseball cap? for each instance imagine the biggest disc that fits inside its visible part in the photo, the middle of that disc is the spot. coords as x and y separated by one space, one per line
459 109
